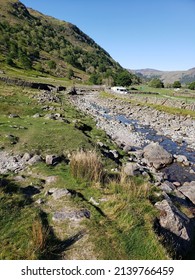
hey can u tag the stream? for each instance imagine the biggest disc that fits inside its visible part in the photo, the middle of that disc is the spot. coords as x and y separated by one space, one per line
175 172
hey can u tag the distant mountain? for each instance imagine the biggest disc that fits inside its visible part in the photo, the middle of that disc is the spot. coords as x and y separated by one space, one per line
167 77
33 41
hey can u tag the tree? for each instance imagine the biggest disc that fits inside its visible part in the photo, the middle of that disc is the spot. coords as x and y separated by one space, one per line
176 84
9 61
156 83
70 74
39 67
102 68
95 79
13 50
123 79
25 61
51 64
192 86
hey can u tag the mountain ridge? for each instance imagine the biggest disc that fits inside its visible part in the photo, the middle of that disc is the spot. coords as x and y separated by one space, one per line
167 77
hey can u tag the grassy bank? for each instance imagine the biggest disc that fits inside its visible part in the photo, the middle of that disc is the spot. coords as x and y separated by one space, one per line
141 101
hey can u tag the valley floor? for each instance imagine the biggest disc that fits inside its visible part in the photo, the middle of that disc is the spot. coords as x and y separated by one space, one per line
65 215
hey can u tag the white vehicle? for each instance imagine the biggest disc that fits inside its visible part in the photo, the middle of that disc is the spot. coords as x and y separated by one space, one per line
119 89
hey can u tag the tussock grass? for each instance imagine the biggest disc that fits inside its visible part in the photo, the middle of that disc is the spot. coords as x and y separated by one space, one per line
129 187
39 236
86 165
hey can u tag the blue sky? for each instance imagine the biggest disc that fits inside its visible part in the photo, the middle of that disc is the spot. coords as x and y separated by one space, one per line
158 34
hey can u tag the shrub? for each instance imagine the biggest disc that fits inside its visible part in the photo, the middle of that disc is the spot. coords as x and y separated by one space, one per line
156 83
51 64
86 165
176 84
9 61
192 86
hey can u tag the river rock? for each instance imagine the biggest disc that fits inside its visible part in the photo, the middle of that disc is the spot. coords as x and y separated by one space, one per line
51 191
188 189
35 159
39 201
113 154
157 156
52 159
167 187
181 158
59 193
131 169
26 157
11 116
37 115
50 179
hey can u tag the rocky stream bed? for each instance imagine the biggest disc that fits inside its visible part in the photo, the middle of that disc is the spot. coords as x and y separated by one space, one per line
160 144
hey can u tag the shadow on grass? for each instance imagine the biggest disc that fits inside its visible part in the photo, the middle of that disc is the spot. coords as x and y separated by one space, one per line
54 247
46 245
81 196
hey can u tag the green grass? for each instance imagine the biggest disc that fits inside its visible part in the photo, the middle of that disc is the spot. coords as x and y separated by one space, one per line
31 75
18 227
37 134
127 231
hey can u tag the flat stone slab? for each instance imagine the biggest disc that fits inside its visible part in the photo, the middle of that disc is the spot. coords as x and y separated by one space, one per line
73 215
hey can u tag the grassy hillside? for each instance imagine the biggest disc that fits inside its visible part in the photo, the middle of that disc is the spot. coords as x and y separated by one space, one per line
32 41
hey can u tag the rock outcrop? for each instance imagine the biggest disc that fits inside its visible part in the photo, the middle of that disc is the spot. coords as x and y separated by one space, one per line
176 227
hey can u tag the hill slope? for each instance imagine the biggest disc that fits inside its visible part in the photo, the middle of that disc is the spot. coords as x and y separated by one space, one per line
167 77
31 40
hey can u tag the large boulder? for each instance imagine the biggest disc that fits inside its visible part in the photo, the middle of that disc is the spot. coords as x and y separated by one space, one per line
188 189
176 227
156 156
